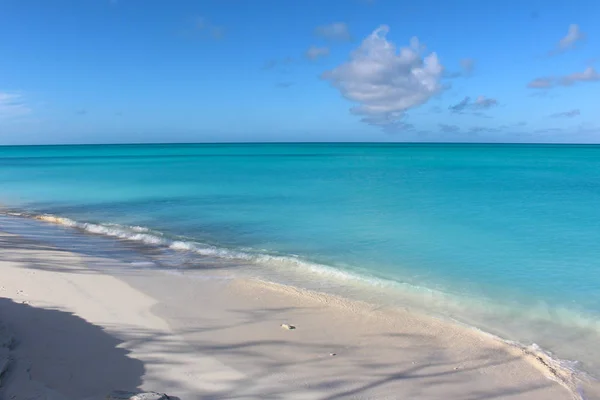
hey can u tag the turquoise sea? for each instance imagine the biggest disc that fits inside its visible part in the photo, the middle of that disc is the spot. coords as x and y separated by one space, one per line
502 237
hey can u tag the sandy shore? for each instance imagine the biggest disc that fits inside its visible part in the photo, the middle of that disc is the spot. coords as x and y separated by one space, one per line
86 324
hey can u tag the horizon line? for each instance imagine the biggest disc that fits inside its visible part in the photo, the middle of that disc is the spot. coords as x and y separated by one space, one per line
292 143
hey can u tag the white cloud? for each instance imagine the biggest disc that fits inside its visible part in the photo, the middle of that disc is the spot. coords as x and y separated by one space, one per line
385 82
314 52
574 35
541 83
588 75
338 31
12 105
485 102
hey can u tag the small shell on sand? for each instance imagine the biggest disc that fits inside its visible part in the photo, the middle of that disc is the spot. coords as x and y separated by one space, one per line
288 327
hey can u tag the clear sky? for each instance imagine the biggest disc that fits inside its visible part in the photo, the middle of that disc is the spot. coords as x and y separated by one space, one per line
98 71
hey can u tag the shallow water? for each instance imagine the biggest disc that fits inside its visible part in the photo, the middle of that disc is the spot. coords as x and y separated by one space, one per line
504 237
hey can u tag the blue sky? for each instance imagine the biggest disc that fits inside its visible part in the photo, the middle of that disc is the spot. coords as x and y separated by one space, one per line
98 71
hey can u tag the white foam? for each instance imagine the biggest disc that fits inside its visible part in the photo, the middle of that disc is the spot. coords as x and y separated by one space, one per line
134 233
147 236
140 264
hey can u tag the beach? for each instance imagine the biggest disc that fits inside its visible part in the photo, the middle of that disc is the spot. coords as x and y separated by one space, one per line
299 201
86 322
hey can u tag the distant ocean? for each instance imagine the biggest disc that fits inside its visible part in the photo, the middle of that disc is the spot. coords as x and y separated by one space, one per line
502 237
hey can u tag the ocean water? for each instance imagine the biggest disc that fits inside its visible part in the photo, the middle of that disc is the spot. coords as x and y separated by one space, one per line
502 237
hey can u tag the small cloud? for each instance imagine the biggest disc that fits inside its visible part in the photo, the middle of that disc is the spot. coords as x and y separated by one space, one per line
436 109
462 105
480 103
284 85
313 53
588 75
337 31
483 102
573 36
386 82
566 114
449 128
205 27
541 83
12 105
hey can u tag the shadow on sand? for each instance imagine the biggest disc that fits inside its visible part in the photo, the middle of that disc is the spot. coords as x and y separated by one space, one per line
64 353
81 360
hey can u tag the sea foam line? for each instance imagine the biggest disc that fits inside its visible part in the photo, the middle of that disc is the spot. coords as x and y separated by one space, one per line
294 264
150 237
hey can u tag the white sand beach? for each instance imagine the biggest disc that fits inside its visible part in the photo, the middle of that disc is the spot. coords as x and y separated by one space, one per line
81 331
